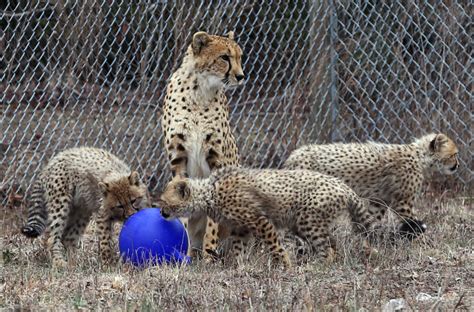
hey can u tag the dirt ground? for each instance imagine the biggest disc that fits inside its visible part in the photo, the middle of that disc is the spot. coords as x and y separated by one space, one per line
435 272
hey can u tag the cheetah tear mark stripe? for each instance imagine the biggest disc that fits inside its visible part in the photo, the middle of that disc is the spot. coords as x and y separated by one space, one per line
228 71
37 213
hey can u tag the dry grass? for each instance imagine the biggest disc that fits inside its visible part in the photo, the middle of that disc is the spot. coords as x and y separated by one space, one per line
433 273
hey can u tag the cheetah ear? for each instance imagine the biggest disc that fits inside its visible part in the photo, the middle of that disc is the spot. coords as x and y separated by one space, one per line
200 40
104 187
134 178
438 142
183 189
231 35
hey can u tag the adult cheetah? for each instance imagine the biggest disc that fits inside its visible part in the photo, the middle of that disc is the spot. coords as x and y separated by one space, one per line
195 121
391 175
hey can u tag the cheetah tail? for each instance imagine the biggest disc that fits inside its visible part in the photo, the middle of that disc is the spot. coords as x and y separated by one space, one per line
37 213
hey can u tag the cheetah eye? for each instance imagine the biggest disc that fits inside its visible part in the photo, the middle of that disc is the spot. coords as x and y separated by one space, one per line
136 200
454 156
225 57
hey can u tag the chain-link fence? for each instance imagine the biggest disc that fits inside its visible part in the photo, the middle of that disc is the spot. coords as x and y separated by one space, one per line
94 72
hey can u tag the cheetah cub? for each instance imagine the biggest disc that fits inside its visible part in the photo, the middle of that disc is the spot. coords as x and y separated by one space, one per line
74 184
261 201
391 175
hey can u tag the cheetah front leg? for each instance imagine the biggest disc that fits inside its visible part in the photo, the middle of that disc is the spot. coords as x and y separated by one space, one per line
75 229
211 234
240 238
178 159
104 226
245 212
315 229
202 232
266 232
210 240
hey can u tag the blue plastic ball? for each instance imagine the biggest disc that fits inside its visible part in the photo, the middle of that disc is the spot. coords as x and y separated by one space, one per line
147 238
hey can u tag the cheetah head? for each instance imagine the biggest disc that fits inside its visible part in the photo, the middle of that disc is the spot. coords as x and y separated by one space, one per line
217 59
175 199
444 154
124 196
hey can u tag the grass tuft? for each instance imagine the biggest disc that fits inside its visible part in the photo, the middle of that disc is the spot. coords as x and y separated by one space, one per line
434 272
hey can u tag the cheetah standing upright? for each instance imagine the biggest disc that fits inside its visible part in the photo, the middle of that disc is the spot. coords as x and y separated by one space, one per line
303 201
74 184
195 120
388 174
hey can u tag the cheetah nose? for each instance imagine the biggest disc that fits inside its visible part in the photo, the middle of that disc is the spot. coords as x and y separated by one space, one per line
239 77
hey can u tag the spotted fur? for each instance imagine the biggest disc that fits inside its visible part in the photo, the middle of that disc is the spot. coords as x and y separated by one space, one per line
261 201
391 175
195 120
75 184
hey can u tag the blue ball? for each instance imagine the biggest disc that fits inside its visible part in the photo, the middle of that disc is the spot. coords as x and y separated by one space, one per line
147 238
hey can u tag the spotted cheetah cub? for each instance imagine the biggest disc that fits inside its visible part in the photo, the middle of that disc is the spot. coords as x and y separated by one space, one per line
391 175
74 184
261 201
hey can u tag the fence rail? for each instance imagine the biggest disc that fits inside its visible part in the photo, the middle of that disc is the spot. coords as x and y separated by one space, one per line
94 72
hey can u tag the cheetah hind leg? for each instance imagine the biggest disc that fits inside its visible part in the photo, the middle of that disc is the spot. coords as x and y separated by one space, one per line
240 239
75 228
59 208
73 232
363 223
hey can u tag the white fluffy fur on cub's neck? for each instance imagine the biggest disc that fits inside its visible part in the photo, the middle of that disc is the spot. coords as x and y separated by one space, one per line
209 85
202 197
422 144
115 176
425 141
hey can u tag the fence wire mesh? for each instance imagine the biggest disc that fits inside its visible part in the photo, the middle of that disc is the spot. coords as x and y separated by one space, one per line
92 72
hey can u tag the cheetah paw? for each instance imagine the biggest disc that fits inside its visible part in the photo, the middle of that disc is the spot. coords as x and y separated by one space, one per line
210 256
